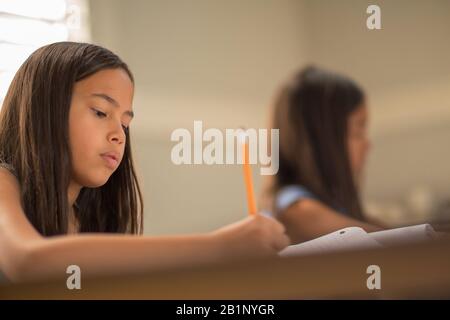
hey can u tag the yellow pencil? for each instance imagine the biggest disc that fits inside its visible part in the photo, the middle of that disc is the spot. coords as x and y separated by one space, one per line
252 210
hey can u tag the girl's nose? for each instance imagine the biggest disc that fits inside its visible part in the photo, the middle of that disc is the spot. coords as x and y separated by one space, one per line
117 136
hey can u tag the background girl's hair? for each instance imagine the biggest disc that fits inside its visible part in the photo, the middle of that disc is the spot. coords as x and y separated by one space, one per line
311 112
34 141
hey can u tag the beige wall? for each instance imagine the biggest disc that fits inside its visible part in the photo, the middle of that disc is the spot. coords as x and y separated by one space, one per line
221 62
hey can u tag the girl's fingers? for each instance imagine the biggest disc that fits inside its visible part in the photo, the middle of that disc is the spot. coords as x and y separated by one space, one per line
281 242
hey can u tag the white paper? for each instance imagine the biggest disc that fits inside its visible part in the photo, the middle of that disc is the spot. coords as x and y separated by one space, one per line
410 234
351 238
354 238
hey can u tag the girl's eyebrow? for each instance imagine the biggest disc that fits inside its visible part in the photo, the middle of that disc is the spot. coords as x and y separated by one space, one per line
112 102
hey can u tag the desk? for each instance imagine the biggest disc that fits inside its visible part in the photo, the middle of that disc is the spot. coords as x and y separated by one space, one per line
413 271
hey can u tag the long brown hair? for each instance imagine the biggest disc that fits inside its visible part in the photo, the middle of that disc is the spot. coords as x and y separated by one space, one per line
34 142
311 112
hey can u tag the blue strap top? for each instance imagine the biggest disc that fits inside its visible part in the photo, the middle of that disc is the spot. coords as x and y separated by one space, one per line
293 193
289 195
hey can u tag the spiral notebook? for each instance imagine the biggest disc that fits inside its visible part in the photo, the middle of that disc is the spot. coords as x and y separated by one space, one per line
355 238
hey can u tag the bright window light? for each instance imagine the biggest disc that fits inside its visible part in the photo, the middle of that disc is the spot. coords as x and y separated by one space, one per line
31 32
26 25
39 9
13 55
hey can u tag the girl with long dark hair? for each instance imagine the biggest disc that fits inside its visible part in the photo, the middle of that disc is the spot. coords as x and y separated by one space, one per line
69 193
322 120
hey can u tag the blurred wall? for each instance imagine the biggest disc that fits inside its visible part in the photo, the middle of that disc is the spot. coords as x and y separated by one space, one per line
222 61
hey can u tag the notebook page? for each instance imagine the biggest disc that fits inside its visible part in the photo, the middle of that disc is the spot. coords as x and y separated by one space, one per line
345 239
410 234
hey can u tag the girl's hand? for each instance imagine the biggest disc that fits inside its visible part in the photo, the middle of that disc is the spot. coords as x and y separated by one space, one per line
255 236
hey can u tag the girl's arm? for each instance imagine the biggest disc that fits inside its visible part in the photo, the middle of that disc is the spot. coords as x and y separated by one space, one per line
308 219
26 255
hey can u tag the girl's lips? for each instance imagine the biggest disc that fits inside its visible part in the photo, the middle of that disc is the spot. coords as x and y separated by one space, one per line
110 161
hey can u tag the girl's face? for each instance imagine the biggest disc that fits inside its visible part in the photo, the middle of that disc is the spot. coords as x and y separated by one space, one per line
358 143
100 112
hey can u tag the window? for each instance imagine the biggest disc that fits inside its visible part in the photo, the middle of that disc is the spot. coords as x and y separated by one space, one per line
26 25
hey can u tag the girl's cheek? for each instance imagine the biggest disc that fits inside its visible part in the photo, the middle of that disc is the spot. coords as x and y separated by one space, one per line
356 154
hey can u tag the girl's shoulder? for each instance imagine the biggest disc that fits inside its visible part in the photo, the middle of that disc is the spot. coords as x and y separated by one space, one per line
291 194
7 168
8 179
298 194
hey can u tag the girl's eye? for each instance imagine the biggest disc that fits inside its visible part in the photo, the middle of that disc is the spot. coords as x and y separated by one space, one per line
99 113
